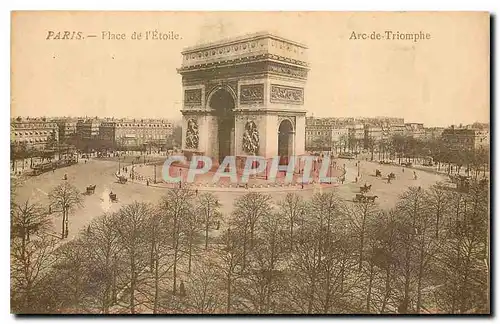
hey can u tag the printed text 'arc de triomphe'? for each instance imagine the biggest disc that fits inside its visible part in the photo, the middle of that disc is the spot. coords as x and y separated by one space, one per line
244 96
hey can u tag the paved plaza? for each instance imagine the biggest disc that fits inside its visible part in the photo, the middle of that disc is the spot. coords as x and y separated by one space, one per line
102 174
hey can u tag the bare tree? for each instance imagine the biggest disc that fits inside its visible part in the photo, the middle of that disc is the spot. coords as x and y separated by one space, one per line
230 265
292 209
361 214
132 229
248 209
65 198
209 208
204 293
28 219
102 240
175 207
263 277
31 263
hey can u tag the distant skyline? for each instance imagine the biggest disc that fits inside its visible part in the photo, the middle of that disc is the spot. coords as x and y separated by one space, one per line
179 119
438 82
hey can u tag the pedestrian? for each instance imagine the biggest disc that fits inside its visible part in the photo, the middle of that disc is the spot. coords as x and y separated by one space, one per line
218 224
356 180
196 192
147 182
403 170
414 175
182 289
302 184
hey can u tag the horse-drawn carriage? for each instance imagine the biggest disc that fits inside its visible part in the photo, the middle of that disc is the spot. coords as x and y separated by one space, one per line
90 190
121 179
378 173
391 176
365 188
364 198
112 197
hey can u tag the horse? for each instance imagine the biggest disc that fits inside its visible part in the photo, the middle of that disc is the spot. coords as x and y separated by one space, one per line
365 188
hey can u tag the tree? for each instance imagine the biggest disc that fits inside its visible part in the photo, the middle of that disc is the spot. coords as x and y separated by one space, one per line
437 203
65 198
27 220
291 209
264 276
176 207
360 217
464 258
30 266
204 294
132 229
248 209
208 207
102 240
192 230
230 265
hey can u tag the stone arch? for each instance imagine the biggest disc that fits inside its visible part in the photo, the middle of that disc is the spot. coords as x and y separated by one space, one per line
218 88
222 103
286 139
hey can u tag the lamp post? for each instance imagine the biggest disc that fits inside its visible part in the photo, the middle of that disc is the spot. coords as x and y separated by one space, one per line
155 172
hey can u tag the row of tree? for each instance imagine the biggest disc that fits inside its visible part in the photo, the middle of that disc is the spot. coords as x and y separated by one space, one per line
408 148
320 255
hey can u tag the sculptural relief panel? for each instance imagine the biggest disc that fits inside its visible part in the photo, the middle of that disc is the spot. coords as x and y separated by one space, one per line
251 141
192 97
252 94
192 134
287 94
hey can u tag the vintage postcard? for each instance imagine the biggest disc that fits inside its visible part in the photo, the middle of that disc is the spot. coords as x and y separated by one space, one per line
250 163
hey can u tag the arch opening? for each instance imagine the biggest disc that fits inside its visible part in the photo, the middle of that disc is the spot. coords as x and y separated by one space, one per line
222 103
285 141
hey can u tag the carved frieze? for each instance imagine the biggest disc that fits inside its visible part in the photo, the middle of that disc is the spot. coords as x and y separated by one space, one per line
192 136
287 94
251 140
192 97
287 70
252 94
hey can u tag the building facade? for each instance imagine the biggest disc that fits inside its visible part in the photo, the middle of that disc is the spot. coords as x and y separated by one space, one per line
464 139
326 134
67 129
138 133
415 130
34 133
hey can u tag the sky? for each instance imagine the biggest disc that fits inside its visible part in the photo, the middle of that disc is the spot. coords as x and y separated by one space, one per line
439 81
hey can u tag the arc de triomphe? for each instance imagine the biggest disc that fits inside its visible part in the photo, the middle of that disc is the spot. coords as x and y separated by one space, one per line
244 96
